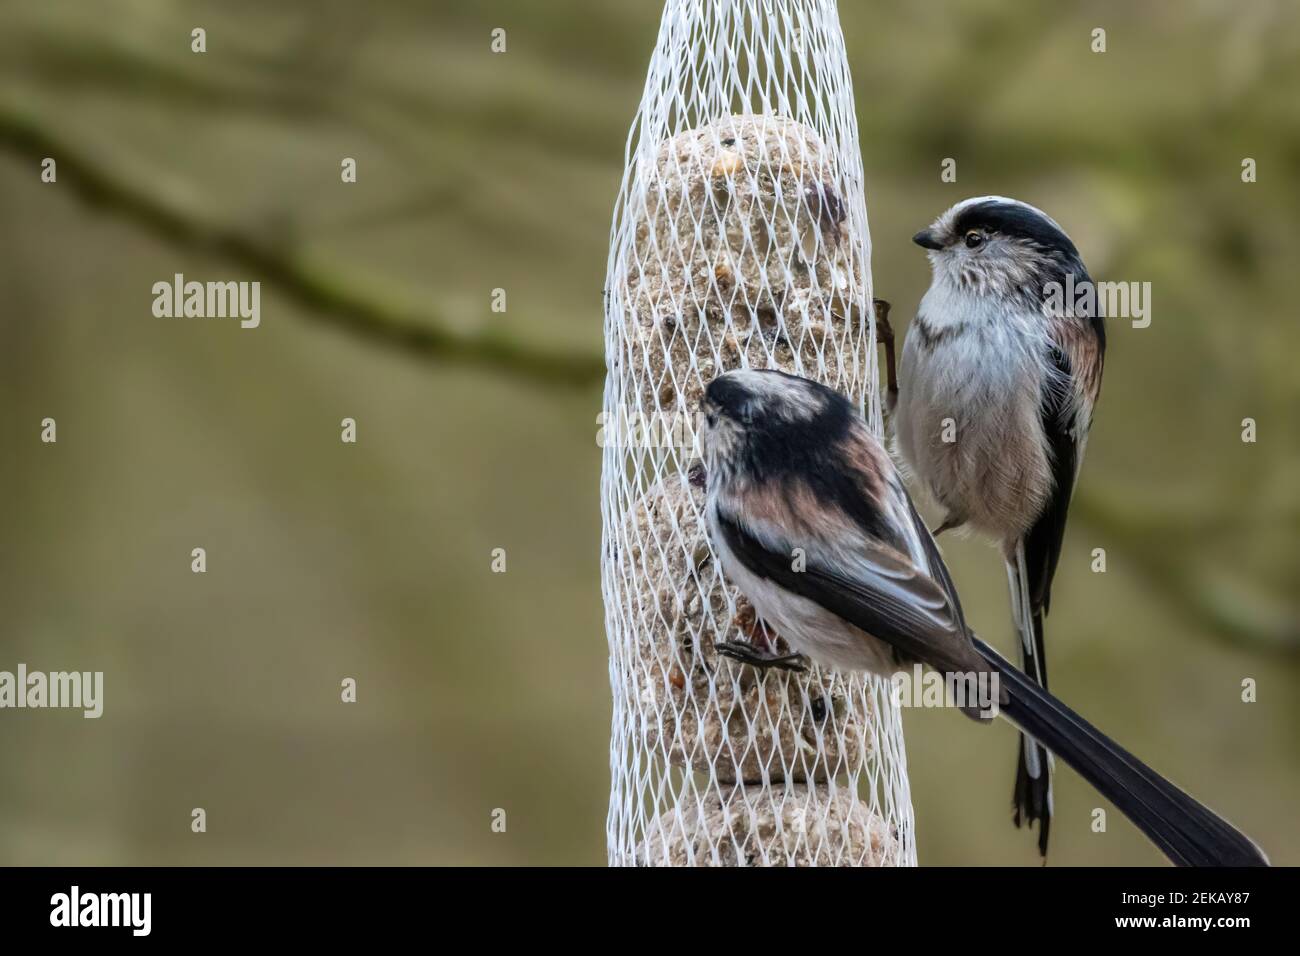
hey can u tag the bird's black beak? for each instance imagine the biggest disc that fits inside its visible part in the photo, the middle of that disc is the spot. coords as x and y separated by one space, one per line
925 239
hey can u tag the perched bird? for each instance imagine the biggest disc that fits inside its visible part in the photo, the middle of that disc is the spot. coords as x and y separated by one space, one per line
811 521
997 386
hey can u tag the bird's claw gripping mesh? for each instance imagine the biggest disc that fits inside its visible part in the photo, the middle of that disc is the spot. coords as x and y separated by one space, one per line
739 240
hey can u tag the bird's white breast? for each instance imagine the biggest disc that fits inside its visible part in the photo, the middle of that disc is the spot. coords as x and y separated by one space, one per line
967 422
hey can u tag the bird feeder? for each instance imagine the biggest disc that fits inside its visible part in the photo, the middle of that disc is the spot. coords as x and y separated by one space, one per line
739 240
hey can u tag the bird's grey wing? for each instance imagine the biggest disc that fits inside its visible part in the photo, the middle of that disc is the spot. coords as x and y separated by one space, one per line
937 569
1046 536
1065 412
877 589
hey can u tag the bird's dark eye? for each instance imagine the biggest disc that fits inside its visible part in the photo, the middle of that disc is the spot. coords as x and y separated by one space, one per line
711 418
974 239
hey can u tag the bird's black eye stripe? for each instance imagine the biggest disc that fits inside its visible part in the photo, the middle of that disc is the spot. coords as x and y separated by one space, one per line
974 239
1016 222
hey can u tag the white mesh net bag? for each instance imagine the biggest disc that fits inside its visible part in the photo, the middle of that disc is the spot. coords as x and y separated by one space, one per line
739 240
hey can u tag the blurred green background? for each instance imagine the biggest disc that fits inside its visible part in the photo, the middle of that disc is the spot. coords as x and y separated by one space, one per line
478 171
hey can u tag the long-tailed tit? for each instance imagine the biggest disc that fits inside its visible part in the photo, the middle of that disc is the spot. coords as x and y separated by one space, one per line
811 521
997 388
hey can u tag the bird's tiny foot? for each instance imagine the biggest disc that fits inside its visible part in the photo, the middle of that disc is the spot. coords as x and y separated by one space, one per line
949 524
884 331
758 650
885 336
748 654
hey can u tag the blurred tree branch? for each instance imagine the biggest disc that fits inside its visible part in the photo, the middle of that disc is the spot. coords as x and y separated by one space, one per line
348 303
362 310
402 117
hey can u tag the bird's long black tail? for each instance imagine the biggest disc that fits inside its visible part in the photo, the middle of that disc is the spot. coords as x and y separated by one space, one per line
1189 833
1032 798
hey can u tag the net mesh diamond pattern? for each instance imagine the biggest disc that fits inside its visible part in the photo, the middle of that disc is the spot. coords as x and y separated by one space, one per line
739 240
